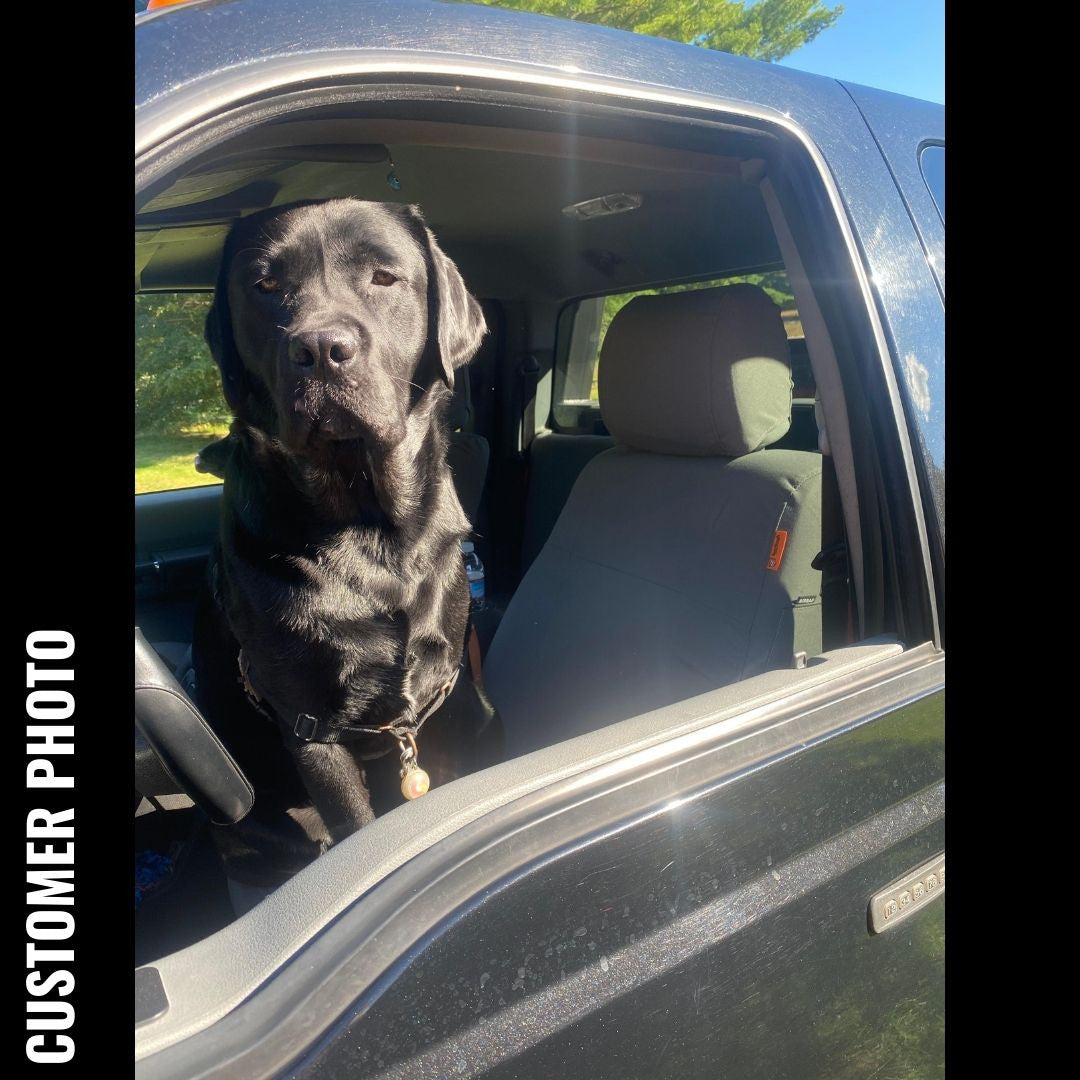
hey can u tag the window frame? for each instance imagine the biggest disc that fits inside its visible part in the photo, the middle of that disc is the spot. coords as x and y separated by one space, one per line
938 205
790 144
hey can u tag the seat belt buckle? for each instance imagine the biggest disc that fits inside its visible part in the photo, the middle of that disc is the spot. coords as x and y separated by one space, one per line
306 727
834 553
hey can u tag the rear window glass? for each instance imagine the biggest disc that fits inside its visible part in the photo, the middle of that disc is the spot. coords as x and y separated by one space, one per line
583 327
932 163
179 406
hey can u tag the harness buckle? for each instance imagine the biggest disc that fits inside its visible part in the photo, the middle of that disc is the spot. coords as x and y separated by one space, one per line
306 727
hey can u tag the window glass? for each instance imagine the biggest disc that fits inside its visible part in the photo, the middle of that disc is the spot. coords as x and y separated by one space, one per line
932 163
576 397
179 406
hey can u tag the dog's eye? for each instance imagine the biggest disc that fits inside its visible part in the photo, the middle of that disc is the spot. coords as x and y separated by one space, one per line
382 277
267 284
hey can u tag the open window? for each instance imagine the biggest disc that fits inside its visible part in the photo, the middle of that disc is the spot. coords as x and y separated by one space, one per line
715 200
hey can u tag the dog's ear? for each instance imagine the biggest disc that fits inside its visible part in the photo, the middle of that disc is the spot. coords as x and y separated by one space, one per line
219 337
455 315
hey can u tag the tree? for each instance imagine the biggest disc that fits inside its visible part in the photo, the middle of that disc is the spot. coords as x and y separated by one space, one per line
774 283
176 382
760 29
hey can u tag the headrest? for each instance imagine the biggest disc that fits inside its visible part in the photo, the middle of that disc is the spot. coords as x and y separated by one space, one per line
459 411
703 372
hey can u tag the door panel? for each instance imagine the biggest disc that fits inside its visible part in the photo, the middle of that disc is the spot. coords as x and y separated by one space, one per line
174 531
726 932
708 893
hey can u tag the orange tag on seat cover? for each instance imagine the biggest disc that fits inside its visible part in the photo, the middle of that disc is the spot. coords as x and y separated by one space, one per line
776 552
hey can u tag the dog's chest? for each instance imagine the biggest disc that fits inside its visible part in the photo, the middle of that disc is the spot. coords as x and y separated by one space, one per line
343 598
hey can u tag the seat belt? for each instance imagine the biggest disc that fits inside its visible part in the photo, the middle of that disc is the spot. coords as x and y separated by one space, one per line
529 374
837 609
476 663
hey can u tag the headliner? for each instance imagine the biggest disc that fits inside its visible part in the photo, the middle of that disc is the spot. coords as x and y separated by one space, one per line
493 196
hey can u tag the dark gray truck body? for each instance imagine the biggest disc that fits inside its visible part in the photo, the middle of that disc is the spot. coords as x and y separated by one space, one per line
686 893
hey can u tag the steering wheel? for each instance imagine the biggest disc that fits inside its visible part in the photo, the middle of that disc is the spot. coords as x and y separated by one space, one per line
176 751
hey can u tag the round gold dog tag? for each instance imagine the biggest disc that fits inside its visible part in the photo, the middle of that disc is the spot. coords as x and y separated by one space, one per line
414 782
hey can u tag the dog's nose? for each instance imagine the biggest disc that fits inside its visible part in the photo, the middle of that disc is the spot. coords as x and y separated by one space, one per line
323 349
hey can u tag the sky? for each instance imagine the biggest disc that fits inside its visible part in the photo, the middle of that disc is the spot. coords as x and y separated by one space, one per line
896 45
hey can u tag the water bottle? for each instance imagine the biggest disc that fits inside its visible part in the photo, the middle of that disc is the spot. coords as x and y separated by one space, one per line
474 570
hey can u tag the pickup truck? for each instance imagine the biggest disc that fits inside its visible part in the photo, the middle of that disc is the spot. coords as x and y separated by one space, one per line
688 864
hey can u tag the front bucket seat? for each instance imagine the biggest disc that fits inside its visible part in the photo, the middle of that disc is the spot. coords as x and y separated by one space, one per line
681 561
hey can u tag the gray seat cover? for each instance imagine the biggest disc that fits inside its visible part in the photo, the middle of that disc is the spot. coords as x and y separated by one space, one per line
654 585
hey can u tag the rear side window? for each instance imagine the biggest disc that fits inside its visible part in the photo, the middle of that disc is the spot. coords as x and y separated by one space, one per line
581 333
179 406
932 163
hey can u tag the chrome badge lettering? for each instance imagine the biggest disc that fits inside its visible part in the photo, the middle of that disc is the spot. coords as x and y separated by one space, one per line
907 895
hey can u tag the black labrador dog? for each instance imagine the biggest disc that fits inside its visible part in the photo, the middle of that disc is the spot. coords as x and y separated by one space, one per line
328 652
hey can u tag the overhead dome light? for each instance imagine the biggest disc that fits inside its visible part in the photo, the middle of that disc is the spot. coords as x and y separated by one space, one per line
618 203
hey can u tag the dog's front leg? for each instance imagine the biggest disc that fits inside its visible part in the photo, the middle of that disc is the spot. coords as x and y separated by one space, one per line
337 785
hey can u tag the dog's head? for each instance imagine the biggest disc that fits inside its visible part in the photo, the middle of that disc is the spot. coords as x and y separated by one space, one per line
336 320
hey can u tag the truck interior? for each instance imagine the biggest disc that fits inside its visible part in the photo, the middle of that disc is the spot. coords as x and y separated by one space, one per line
662 291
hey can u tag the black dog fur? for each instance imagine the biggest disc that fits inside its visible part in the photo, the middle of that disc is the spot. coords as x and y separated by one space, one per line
337 328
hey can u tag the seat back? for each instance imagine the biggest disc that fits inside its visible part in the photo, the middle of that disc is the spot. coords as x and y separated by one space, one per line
681 561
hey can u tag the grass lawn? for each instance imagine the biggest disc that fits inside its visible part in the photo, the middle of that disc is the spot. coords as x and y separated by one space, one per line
165 462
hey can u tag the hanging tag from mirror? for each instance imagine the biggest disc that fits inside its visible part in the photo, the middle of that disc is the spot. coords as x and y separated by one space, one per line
392 176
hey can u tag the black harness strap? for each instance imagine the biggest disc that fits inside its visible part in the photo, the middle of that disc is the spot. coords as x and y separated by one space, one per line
311 729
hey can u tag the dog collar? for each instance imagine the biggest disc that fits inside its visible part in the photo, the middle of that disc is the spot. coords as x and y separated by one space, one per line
312 729
414 780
